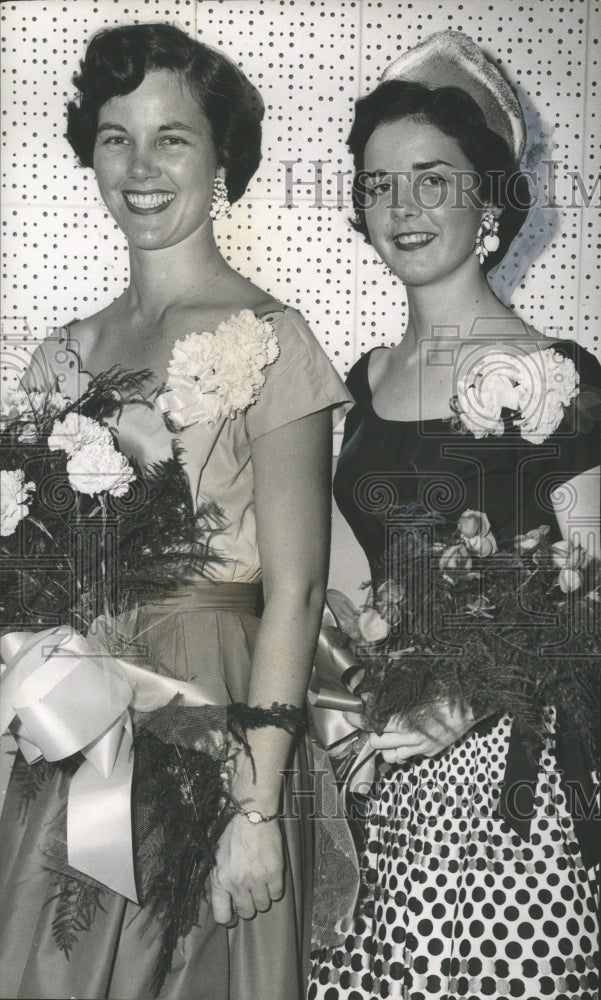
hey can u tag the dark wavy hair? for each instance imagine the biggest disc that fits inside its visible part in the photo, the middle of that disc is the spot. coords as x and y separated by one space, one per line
457 115
116 62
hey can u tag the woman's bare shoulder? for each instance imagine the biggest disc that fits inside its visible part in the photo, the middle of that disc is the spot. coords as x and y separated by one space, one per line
246 295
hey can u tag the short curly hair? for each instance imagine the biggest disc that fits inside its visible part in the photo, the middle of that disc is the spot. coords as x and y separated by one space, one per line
116 62
457 115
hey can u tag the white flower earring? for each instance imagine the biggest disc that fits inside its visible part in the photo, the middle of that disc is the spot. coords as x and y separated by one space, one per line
220 205
487 240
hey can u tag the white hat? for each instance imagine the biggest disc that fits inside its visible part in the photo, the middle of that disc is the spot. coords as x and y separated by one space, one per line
452 59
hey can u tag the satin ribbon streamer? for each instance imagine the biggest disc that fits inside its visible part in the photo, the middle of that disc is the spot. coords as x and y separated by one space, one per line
59 696
335 676
184 404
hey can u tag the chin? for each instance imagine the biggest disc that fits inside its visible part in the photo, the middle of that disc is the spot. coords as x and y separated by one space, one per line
431 272
416 277
151 240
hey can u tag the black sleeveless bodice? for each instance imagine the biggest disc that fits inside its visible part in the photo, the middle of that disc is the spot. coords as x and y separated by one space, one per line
386 465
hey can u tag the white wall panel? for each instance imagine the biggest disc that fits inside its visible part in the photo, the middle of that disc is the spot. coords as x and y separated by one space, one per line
62 255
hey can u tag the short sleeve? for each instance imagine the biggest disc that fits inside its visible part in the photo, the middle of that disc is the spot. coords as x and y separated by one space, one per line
301 381
579 435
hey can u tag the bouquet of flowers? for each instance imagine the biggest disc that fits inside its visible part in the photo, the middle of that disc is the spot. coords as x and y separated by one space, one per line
510 627
81 529
85 536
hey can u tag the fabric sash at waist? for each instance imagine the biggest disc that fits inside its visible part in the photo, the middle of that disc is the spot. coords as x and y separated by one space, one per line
206 595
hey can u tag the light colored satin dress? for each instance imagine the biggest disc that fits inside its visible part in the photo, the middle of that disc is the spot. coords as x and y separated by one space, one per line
260 959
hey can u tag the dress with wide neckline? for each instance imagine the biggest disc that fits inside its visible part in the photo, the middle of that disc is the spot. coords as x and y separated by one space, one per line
217 457
386 463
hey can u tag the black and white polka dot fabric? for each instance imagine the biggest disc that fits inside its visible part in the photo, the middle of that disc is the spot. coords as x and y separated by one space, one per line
453 902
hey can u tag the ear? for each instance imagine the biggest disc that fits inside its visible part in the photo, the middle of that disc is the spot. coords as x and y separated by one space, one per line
220 172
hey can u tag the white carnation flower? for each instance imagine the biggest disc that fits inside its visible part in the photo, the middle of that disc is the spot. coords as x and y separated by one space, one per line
474 416
194 356
550 381
14 499
98 467
562 376
215 376
537 385
30 406
14 403
77 431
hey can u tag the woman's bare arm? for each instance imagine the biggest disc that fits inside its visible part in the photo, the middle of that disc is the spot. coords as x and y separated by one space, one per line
292 470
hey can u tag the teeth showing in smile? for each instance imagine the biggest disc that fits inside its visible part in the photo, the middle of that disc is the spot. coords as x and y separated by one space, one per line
148 200
411 239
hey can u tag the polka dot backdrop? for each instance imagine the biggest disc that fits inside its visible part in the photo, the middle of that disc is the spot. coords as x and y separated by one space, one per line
62 255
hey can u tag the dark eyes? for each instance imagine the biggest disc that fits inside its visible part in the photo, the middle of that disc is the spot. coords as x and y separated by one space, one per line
431 180
428 180
124 140
381 187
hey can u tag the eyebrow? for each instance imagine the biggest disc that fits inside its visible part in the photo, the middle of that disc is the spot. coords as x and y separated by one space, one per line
426 165
180 126
433 163
171 126
109 125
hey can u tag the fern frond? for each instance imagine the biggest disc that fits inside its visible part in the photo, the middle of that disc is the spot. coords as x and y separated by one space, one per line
77 905
30 779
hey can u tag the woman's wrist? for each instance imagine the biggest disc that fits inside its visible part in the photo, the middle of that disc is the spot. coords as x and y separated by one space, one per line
263 798
254 816
256 783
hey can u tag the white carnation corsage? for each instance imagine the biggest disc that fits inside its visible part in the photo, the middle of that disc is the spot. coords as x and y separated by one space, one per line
536 387
213 376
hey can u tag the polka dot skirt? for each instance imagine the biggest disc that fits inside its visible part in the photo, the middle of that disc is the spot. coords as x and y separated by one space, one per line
453 902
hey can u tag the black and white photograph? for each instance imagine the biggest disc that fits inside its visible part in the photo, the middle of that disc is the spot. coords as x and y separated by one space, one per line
300 465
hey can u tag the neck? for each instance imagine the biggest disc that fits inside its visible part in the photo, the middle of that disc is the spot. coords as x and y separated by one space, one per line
169 276
450 308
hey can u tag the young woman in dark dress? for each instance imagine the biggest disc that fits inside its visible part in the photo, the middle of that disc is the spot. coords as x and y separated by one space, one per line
458 902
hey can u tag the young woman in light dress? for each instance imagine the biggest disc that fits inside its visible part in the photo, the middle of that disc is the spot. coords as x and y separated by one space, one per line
172 130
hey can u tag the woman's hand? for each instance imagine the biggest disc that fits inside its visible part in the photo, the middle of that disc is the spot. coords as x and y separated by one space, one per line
358 720
249 870
400 740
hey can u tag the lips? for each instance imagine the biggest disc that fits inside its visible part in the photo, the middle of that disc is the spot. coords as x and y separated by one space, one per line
412 241
148 202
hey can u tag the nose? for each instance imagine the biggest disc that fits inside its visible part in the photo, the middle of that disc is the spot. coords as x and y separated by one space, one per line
403 200
142 163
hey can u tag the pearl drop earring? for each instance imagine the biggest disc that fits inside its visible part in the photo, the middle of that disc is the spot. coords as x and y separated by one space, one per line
220 205
487 240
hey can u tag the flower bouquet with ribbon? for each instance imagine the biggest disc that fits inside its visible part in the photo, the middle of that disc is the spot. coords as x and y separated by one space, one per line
511 627
85 536
82 529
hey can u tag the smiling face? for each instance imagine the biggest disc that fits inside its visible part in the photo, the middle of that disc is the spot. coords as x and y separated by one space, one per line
420 209
155 161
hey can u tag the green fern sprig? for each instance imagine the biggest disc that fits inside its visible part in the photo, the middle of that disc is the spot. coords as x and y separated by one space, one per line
77 905
30 779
